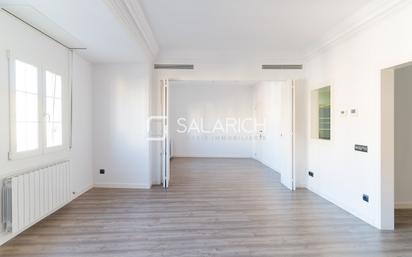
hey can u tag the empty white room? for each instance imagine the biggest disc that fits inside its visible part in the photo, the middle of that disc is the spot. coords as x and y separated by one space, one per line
205 128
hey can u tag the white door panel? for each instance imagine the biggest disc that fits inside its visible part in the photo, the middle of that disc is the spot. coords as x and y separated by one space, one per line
287 135
166 139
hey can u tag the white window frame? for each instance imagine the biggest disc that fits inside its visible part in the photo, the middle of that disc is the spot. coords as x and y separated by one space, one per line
42 129
65 113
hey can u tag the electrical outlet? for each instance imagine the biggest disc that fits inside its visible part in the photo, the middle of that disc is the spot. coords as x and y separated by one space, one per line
354 112
102 171
311 174
365 198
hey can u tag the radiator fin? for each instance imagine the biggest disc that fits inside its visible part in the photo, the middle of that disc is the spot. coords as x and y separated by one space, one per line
7 205
27 198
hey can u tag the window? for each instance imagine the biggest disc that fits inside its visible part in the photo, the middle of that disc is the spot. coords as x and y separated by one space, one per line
321 113
26 107
54 124
37 110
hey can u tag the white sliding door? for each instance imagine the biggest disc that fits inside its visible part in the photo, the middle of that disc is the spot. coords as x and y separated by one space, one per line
287 135
166 138
259 119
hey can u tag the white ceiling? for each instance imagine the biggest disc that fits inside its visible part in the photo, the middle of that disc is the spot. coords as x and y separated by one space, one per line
263 29
190 29
81 23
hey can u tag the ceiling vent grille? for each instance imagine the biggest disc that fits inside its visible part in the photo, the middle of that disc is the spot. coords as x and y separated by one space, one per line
282 67
174 66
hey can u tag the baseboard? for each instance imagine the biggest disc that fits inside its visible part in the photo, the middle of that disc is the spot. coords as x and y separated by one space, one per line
4 237
82 191
403 205
123 185
342 206
211 156
266 164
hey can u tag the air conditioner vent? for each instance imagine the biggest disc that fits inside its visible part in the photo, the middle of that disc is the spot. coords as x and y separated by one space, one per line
174 66
282 67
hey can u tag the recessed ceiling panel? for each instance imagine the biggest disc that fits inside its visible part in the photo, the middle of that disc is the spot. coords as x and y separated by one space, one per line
280 29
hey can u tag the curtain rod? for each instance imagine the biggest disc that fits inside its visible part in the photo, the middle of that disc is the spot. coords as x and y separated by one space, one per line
52 38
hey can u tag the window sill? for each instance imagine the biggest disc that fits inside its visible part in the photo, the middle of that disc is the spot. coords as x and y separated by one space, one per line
37 153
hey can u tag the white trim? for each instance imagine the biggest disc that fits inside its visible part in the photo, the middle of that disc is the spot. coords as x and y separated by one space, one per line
131 14
198 57
77 194
293 135
265 164
385 215
342 206
13 154
403 205
70 81
4 237
65 102
364 17
33 167
123 185
41 96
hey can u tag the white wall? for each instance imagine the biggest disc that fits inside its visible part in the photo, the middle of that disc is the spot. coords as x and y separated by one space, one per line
267 108
121 109
353 68
27 43
210 102
301 133
155 146
82 134
403 137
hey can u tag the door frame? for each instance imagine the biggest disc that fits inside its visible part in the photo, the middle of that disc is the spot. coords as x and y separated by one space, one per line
165 143
290 87
293 132
386 180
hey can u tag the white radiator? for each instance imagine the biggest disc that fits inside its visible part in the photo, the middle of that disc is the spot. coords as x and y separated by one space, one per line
29 197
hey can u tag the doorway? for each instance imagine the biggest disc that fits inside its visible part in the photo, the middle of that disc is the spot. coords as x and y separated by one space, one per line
223 119
396 149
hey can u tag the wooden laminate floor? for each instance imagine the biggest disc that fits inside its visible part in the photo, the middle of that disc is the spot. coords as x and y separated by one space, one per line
215 207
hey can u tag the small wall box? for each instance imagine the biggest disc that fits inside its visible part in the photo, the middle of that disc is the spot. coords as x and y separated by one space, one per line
353 112
361 148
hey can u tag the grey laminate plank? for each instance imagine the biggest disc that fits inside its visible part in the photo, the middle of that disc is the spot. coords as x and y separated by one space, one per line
215 207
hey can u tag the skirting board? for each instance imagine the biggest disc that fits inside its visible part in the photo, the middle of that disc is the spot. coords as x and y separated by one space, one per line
405 205
82 192
123 185
266 164
342 206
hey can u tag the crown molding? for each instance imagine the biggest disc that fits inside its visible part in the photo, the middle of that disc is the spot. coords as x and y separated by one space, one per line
225 58
132 15
360 20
